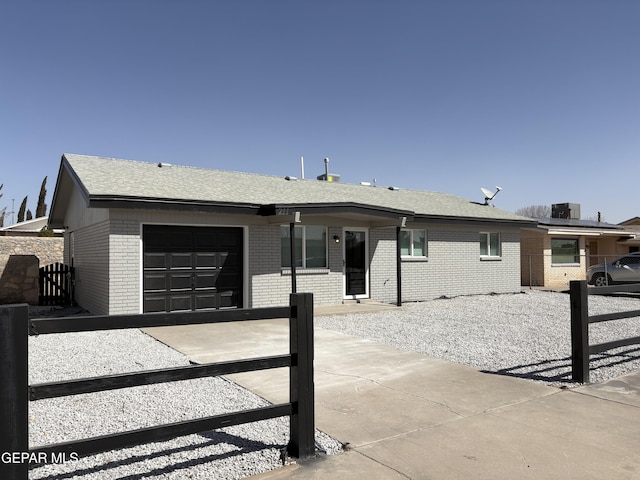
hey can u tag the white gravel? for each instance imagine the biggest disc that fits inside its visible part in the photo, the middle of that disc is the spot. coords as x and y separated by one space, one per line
229 453
524 334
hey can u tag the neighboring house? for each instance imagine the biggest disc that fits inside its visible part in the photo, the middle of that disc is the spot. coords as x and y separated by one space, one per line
631 222
561 248
28 228
149 237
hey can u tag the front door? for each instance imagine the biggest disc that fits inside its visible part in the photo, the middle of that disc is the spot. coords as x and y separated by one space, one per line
356 264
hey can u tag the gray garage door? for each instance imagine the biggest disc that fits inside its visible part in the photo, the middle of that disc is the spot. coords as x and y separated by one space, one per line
191 268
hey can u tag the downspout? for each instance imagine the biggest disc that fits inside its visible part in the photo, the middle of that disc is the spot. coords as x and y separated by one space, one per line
292 246
398 268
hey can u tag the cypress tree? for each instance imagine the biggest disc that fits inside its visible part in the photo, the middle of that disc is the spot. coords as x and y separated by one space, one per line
41 209
22 210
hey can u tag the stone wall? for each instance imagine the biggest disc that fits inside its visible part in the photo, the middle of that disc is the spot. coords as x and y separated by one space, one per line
19 281
20 259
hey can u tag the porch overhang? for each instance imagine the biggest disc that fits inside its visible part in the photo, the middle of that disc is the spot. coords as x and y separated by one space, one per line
338 214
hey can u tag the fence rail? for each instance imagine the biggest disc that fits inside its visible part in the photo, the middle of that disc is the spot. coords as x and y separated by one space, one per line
581 350
15 392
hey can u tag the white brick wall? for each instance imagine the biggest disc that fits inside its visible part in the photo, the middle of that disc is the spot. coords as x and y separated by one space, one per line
269 285
91 259
382 268
125 273
453 266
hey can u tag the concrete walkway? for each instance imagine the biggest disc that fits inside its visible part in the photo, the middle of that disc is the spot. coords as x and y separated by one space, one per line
407 415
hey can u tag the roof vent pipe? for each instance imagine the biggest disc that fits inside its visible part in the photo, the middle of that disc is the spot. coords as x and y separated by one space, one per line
326 169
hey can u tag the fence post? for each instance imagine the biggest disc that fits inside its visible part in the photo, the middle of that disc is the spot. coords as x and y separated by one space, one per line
301 387
14 397
579 331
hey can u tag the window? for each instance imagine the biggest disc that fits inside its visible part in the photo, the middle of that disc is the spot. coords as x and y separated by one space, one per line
632 260
490 244
565 250
310 243
413 243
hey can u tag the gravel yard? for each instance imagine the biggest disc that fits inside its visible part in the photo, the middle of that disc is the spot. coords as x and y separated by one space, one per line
229 453
524 334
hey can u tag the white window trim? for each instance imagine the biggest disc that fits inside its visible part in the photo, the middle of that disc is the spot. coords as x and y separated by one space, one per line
489 256
304 251
411 256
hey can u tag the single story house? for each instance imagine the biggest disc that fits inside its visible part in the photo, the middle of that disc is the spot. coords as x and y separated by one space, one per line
632 224
147 237
560 248
28 228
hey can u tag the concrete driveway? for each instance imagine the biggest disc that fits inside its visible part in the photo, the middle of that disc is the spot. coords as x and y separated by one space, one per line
407 415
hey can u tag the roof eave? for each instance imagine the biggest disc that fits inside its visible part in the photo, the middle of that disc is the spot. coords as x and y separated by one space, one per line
446 219
65 181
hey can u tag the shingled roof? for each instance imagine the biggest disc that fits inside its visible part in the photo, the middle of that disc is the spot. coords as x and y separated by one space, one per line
109 183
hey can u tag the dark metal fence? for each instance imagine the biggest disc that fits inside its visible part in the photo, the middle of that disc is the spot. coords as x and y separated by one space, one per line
15 392
581 351
56 284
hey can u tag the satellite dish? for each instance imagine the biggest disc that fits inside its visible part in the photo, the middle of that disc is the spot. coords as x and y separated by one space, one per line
488 194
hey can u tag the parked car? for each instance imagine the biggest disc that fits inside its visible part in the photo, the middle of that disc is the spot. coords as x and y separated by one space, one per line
623 270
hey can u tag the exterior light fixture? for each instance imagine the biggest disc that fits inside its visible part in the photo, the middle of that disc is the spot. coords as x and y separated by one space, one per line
336 238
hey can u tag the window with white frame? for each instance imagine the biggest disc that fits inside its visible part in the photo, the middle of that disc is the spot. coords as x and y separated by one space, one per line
490 244
413 243
310 243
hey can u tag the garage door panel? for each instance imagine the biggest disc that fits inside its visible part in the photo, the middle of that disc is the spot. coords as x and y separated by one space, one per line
206 301
228 281
229 259
206 260
207 280
180 281
179 239
180 302
193 267
228 299
229 238
180 260
155 303
155 282
155 260
204 240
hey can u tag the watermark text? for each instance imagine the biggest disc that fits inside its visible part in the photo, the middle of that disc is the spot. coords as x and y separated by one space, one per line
38 457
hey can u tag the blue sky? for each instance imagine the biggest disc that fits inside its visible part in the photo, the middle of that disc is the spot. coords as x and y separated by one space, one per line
539 97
